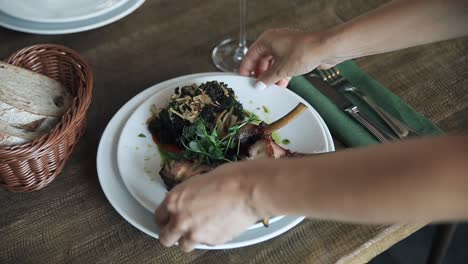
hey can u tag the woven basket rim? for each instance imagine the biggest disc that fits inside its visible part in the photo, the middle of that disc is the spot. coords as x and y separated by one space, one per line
34 165
60 130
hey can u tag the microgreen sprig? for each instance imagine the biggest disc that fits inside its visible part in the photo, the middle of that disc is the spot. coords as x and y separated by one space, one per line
208 146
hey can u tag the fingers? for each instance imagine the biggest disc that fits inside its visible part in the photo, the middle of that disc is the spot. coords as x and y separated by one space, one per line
325 66
263 65
254 55
274 73
161 216
187 243
283 82
259 60
173 231
173 227
265 70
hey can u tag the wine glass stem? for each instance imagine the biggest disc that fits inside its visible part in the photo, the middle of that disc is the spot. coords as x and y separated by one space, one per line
243 14
241 50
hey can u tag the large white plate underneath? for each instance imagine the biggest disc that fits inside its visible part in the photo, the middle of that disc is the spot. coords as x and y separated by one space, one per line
139 160
131 210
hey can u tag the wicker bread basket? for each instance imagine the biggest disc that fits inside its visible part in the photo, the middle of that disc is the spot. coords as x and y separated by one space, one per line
32 166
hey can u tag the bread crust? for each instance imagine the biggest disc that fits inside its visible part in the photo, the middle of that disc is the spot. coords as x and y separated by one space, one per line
30 104
32 92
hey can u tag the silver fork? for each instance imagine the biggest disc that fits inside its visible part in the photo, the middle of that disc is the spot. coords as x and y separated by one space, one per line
334 78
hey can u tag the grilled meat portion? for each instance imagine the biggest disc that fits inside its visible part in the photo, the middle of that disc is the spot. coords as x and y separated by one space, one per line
266 148
255 142
175 172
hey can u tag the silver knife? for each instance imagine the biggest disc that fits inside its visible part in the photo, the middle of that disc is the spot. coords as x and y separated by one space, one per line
346 105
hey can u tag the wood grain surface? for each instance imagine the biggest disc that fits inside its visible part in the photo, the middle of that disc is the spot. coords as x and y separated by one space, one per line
71 221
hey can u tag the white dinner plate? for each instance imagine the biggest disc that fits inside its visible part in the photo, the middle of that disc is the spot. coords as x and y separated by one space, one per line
18 24
58 11
131 210
138 158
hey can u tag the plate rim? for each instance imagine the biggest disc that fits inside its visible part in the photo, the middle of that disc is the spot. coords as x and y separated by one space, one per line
120 147
121 142
70 27
292 220
89 15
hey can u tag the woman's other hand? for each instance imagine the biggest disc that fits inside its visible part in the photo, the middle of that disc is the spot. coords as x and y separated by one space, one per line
208 209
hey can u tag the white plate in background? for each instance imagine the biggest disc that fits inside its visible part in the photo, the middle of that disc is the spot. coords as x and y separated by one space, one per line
22 25
58 11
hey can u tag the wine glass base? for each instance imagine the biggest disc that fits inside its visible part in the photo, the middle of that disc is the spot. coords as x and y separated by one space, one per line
224 56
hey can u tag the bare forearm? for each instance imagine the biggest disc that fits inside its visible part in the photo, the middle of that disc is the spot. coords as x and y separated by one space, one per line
422 180
398 25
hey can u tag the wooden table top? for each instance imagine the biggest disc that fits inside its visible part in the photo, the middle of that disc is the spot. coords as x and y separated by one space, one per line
71 221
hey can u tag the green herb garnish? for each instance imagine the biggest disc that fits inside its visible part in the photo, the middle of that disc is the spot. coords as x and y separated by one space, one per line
142 135
285 141
276 137
208 146
190 103
168 156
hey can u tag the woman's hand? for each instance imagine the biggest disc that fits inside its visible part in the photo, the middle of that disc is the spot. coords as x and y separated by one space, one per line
279 54
208 209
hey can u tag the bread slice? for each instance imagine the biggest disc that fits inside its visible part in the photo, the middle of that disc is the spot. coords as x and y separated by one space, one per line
19 118
30 104
10 135
32 92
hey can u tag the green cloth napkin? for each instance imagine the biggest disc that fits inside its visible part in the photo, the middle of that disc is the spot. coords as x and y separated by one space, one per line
345 128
